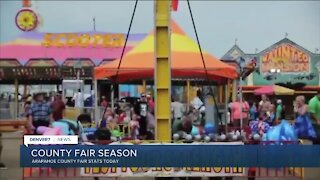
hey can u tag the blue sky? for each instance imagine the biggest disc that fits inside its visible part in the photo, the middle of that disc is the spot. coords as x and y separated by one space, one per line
256 24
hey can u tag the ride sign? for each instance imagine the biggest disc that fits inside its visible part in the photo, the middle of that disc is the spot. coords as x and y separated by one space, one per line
287 58
83 40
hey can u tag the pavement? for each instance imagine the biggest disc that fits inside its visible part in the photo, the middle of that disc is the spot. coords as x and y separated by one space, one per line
11 157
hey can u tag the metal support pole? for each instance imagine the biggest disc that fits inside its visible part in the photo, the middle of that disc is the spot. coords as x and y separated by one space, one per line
95 98
241 103
162 69
228 90
226 106
112 97
144 86
16 99
188 95
78 74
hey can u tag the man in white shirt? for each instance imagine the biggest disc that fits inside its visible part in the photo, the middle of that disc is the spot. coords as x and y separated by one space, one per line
177 108
78 99
196 103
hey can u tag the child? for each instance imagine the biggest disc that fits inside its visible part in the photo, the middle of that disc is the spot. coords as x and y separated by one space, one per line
128 113
107 118
134 126
253 111
71 127
184 125
87 132
260 126
122 115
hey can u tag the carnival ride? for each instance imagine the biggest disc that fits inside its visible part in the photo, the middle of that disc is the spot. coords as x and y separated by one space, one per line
166 66
162 56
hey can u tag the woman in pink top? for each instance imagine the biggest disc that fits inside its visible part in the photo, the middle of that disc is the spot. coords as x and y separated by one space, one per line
236 112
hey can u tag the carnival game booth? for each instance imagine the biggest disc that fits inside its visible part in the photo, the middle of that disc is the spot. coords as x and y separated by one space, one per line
186 64
37 61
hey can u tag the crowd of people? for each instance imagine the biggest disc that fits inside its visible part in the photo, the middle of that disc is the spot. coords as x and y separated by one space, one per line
139 115
272 113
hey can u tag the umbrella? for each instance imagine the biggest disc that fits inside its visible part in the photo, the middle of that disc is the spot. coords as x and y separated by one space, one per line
273 90
291 85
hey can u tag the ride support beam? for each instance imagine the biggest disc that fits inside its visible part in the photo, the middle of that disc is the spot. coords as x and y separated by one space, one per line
144 86
188 95
162 72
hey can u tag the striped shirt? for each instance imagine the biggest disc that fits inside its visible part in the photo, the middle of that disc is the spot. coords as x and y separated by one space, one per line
40 111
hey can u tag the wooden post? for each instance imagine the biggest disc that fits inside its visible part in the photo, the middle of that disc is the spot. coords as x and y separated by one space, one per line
234 90
228 90
162 69
220 94
25 90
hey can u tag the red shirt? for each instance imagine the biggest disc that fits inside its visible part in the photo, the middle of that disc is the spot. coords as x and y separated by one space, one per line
58 107
121 117
236 110
151 104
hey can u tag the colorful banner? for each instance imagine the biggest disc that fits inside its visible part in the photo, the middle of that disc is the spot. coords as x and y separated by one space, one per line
162 172
287 58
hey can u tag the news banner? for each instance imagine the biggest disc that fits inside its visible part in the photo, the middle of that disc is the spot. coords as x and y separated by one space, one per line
64 151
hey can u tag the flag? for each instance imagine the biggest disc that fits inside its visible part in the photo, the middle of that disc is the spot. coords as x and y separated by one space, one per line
175 5
26 3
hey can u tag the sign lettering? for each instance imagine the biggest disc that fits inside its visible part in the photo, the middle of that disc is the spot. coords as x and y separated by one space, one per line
287 58
162 171
83 40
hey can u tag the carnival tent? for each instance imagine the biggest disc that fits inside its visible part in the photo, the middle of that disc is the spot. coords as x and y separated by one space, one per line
273 90
185 61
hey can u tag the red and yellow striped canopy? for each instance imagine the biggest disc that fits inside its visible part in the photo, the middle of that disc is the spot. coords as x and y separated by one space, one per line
186 61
